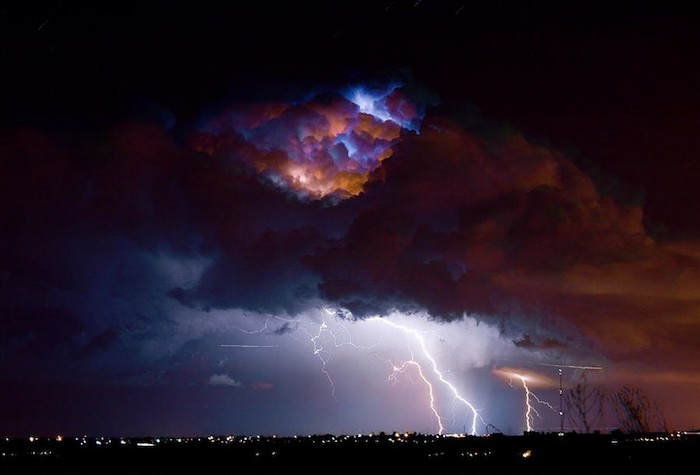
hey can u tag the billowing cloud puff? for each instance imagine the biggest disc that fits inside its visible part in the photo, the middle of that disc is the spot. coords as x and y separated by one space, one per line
327 145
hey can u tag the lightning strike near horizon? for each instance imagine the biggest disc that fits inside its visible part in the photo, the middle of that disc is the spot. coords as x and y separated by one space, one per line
325 339
529 408
431 392
332 329
439 374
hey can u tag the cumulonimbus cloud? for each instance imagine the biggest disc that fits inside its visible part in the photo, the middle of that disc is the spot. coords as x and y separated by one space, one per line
362 202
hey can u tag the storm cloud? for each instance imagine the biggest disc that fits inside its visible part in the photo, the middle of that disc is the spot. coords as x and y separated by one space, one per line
112 241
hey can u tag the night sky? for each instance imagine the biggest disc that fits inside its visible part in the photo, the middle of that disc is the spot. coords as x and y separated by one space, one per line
300 217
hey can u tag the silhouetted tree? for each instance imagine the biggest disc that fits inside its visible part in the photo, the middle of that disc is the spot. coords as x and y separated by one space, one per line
636 413
584 405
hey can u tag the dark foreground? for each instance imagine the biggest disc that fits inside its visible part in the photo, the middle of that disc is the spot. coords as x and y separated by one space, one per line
384 453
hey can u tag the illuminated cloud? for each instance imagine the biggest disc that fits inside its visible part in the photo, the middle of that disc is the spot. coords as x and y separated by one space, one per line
533 379
328 145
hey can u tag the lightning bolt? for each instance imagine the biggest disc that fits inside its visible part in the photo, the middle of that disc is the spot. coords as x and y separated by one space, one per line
318 338
530 411
413 363
319 345
324 341
434 366
326 338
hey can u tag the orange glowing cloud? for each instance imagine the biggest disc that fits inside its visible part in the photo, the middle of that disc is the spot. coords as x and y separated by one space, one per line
532 378
318 148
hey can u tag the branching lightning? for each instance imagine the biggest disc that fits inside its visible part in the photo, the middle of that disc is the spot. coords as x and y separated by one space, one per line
427 355
324 341
319 345
331 331
413 363
321 339
530 410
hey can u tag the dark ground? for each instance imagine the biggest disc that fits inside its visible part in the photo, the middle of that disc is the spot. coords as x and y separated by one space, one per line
397 453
